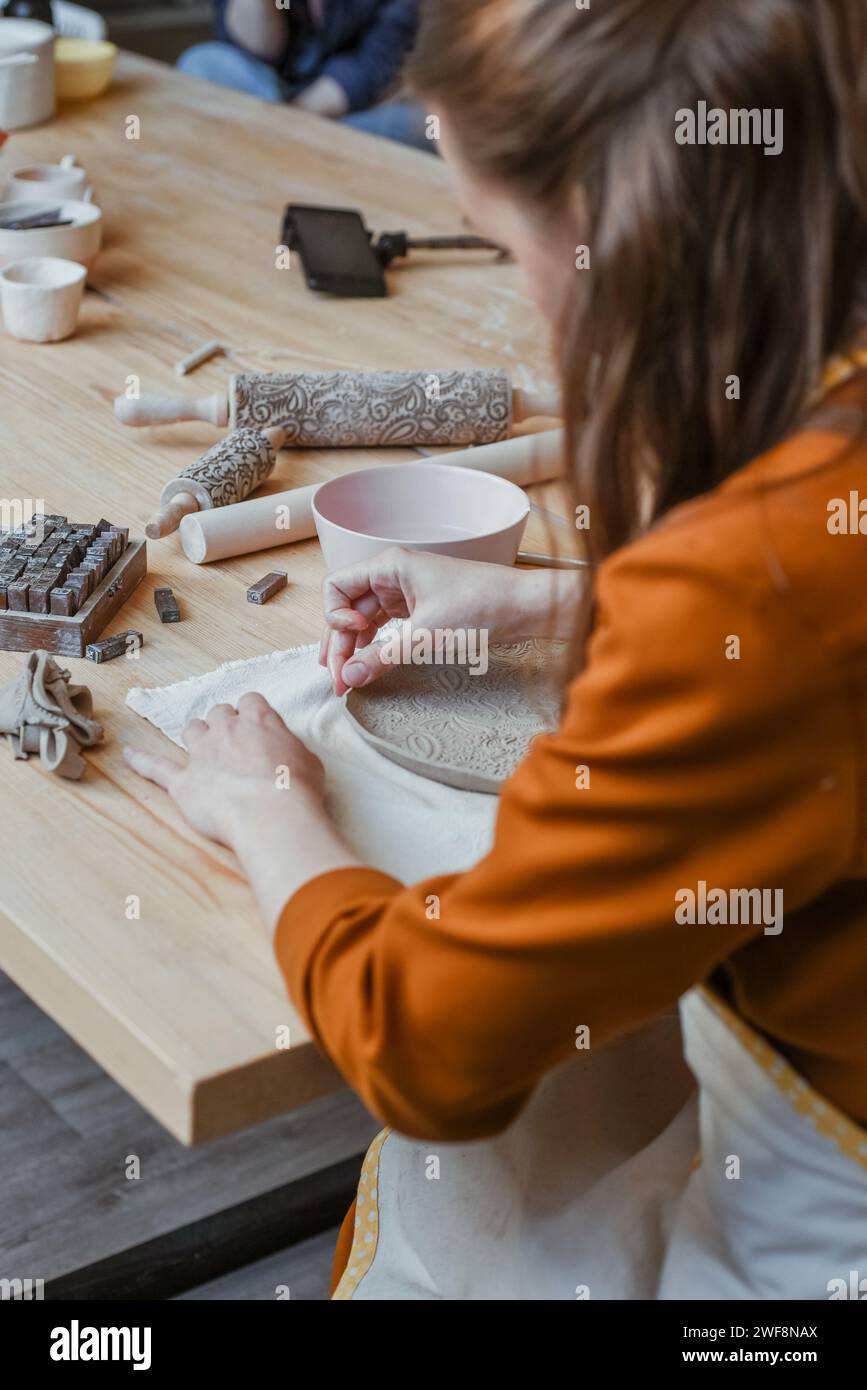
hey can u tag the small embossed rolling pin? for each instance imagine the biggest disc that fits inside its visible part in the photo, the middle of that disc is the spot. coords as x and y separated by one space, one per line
358 409
225 474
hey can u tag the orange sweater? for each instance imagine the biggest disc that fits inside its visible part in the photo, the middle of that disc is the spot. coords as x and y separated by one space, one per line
704 767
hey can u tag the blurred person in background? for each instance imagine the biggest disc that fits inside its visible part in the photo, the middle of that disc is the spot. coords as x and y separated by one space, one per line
338 58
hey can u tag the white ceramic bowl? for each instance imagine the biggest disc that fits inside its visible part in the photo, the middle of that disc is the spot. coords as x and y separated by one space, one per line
41 297
424 506
80 241
47 184
27 81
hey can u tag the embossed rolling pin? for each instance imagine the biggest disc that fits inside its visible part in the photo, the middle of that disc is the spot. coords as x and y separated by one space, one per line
283 517
223 476
358 409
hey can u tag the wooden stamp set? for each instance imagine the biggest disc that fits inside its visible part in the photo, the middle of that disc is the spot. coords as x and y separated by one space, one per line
61 582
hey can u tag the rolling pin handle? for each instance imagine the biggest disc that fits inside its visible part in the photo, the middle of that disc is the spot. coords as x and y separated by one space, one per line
276 436
527 405
169 410
169 517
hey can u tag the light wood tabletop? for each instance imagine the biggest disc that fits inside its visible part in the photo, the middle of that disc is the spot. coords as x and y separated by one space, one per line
183 1005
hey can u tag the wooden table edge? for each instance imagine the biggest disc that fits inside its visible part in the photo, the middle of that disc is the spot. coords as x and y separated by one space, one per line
194 1112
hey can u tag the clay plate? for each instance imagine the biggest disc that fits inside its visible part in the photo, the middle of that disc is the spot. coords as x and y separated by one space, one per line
469 731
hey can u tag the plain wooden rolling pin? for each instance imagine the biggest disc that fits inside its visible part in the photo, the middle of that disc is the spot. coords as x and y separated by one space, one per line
288 516
358 409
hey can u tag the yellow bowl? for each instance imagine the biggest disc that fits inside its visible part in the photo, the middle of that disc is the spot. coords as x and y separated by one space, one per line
82 67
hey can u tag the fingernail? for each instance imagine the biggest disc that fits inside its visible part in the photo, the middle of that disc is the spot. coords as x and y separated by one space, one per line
355 673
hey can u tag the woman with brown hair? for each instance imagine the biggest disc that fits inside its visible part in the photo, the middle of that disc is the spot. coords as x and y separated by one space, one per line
712 849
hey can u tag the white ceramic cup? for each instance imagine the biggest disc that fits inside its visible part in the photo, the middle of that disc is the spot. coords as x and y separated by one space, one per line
26 73
41 297
423 506
79 241
44 183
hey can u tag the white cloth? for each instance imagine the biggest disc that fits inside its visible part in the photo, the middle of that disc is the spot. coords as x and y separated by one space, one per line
755 1190
778 1206
395 820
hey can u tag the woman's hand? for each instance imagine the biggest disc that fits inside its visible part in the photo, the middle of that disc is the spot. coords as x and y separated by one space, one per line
250 784
324 97
436 591
242 765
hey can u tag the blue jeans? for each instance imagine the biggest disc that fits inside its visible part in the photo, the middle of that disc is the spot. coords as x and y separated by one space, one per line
229 66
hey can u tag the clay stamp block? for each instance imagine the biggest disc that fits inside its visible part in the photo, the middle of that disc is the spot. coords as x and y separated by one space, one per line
77 576
77 583
16 595
63 602
82 576
167 606
93 567
266 588
112 647
97 560
38 597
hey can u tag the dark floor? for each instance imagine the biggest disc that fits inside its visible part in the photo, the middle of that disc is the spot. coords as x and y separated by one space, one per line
303 1272
69 1204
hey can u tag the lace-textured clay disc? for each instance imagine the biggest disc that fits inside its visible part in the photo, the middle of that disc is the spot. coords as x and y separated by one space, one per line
469 731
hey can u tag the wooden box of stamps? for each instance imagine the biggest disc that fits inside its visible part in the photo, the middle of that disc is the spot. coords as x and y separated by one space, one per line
62 582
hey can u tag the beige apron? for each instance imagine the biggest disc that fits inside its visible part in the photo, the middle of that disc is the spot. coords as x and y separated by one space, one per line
621 1180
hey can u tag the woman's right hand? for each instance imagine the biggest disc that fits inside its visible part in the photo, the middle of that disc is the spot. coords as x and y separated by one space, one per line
432 591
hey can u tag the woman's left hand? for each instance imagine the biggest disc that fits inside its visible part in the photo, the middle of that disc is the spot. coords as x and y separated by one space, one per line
241 764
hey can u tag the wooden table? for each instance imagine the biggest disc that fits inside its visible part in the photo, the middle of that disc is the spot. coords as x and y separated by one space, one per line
182 1005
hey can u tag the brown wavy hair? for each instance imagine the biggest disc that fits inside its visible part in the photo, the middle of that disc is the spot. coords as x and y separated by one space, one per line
707 262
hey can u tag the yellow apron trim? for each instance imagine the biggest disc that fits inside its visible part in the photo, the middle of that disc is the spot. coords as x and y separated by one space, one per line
366 1236
830 1122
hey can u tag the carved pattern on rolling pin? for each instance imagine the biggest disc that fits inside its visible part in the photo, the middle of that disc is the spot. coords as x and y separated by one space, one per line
368 409
227 473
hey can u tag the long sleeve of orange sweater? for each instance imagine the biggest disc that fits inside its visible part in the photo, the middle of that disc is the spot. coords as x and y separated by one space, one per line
710 739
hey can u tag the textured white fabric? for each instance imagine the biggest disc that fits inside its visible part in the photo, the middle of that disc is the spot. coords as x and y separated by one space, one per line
794 1219
395 820
755 1190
